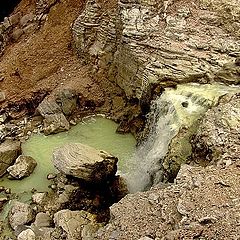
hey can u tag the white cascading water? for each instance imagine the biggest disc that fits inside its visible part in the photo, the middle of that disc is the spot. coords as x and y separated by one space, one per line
174 109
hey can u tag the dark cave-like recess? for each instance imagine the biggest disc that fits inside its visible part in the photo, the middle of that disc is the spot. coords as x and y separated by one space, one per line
6 7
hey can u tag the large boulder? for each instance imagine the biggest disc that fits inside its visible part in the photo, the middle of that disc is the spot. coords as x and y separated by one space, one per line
55 123
217 138
48 106
84 162
20 214
76 224
9 151
54 119
23 167
67 99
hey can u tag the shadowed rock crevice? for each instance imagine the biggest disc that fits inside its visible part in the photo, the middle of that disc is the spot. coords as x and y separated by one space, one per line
6 7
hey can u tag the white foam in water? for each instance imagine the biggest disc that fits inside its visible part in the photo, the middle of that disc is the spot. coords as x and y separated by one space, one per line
173 109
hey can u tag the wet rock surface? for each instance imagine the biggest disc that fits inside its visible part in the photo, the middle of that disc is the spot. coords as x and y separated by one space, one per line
85 162
23 167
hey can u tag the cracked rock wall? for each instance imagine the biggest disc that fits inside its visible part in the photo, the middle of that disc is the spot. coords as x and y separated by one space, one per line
137 43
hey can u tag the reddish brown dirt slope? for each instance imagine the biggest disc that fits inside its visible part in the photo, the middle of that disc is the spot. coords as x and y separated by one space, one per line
45 60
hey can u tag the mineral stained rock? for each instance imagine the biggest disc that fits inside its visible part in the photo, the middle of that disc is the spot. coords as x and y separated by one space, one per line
84 162
217 138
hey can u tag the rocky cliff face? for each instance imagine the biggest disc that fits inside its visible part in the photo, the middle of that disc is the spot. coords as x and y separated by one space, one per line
139 42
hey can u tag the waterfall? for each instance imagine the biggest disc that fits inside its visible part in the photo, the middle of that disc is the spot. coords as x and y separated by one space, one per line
174 109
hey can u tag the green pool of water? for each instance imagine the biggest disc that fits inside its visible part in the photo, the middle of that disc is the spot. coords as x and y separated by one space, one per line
97 132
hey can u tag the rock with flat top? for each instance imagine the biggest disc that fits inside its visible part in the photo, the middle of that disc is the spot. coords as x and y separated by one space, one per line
23 167
84 162
9 151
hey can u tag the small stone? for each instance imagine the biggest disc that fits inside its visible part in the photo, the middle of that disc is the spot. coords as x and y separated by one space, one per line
9 151
3 199
3 118
39 198
51 176
207 219
72 122
20 214
26 19
42 220
17 34
26 235
8 191
53 186
15 18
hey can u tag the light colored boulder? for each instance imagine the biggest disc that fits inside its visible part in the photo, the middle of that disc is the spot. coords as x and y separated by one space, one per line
23 167
77 224
26 235
26 19
20 214
217 138
39 198
84 162
9 151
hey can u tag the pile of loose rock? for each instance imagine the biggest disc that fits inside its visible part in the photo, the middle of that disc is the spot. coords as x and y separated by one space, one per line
80 195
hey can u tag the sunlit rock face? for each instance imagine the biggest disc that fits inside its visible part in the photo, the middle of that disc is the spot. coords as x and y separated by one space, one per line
138 43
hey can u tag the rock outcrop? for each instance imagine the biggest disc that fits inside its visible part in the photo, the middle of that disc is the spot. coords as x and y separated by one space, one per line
9 151
203 203
139 43
217 138
23 167
85 162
